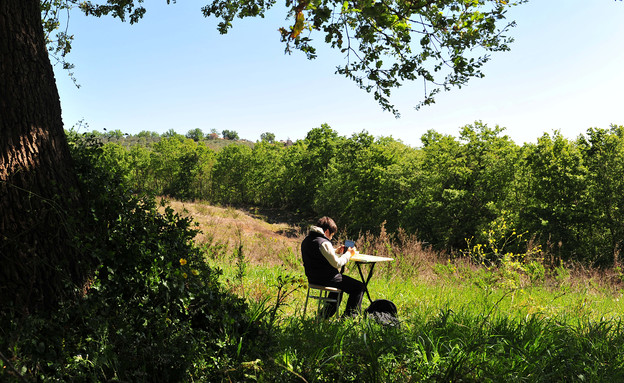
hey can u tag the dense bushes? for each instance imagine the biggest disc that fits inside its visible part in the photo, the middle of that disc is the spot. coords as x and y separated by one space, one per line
153 310
566 194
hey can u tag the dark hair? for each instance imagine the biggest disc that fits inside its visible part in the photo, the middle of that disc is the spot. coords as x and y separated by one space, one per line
327 223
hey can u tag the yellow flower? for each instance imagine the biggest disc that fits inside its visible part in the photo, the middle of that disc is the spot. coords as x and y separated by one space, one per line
182 261
184 275
194 272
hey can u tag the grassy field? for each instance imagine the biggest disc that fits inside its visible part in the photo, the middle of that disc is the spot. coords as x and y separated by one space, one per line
253 248
458 321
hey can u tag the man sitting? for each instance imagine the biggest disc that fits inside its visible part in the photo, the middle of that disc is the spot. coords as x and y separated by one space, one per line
322 263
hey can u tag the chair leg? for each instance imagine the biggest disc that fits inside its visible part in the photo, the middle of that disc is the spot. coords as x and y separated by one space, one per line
327 303
306 303
323 294
322 298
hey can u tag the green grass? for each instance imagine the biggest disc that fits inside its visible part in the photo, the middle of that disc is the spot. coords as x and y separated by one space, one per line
453 328
412 295
459 322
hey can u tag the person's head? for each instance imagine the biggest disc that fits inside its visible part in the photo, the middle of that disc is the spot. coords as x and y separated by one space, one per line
328 225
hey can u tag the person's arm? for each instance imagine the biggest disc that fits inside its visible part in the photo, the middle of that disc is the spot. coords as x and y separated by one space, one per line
334 259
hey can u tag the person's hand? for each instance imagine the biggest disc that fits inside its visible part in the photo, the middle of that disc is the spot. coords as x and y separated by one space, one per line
351 250
340 249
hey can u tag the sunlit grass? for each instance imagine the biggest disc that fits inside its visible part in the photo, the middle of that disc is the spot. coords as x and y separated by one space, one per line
426 298
458 321
418 281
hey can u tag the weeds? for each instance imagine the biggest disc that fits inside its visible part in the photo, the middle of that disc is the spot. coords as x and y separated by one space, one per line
286 285
241 262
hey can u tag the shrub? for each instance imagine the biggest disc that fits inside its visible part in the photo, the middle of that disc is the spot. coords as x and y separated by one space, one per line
153 311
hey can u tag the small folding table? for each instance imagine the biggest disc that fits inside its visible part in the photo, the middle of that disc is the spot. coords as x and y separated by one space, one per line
365 259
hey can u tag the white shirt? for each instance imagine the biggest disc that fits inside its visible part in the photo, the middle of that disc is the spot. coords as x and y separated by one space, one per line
329 253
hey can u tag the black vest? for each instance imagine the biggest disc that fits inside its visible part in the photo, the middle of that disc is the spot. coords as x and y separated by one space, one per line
317 267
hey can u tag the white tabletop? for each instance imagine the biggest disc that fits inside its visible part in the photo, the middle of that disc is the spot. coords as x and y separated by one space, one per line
365 258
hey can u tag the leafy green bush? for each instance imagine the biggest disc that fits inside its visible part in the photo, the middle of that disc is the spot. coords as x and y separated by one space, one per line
153 311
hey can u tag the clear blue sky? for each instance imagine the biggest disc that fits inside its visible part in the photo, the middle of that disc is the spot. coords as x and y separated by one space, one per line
173 70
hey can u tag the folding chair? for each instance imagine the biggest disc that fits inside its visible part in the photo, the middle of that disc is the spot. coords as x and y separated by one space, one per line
322 297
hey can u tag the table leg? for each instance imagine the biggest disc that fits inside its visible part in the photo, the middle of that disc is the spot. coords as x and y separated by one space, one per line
367 279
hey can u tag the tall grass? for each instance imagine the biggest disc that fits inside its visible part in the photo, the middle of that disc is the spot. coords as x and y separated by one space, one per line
447 347
458 321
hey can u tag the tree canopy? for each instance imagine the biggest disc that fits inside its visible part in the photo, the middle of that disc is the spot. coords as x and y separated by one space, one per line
453 192
230 134
385 43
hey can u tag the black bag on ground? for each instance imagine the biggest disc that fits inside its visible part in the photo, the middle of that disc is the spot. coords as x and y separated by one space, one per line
384 311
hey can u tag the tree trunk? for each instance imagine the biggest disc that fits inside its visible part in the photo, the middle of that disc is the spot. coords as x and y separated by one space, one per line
38 187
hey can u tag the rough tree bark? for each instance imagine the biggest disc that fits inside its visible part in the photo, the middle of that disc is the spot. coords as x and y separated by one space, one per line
38 187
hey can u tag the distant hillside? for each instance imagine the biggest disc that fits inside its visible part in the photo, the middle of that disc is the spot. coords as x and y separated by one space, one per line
214 144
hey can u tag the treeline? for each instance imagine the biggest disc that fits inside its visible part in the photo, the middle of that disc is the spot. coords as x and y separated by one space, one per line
566 196
213 139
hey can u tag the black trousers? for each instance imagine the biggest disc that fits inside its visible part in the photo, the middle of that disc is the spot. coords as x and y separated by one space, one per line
351 286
